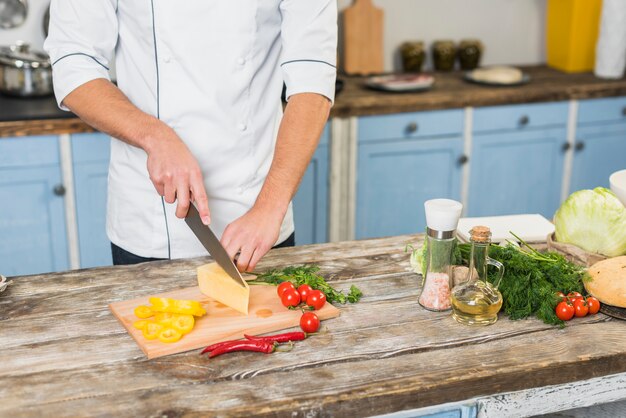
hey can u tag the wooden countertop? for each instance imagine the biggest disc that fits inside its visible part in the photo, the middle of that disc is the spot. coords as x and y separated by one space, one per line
63 353
450 91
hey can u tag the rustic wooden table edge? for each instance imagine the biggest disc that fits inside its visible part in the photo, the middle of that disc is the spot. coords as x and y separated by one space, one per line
383 354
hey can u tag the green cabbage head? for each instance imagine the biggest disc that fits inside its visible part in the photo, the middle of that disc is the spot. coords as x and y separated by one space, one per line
594 220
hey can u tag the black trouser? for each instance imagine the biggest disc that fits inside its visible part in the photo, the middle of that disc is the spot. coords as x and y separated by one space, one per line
123 257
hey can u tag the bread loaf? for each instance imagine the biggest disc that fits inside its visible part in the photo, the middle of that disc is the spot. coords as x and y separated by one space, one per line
608 282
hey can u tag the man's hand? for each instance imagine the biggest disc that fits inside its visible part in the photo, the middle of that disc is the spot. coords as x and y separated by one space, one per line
254 234
173 170
176 174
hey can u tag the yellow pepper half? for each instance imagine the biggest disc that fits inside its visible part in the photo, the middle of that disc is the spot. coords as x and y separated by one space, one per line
143 312
185 307
169 335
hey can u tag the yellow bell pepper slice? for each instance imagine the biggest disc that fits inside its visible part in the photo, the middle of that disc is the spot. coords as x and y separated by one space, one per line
165 318
184 307
141 324
169 335
151 330
143 312
183 323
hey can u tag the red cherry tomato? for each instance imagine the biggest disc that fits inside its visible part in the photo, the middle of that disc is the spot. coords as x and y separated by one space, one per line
309 322
581 307
593 304
284 286
565 311
560 296
290 297
304 290
574 296
316 300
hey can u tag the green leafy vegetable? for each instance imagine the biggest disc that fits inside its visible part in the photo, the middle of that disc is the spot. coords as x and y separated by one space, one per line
532 279
307 274
594 220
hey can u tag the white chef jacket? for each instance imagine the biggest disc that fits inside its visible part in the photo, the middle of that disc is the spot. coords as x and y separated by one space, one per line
213 71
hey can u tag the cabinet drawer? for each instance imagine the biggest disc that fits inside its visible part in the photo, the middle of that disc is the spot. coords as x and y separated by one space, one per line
411 125
520 117
29 151
602 110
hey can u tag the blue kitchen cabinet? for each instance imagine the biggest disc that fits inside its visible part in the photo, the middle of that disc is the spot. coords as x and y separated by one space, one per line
32 214
310 205
600 147
90 155
404 160
517 160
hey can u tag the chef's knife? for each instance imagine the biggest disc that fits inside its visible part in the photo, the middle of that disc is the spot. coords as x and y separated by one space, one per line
212 244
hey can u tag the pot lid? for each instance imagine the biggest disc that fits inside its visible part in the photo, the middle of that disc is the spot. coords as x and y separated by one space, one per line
20 56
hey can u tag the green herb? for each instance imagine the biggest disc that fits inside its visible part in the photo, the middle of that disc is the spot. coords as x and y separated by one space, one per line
307 274
532 279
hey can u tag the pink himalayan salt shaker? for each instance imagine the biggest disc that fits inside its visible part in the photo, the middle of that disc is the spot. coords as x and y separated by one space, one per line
442 218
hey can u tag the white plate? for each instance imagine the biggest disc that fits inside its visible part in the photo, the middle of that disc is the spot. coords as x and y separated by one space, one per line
530 228
470 77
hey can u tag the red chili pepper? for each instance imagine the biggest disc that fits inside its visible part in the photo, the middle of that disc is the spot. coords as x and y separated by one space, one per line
257 346
216 345
279 338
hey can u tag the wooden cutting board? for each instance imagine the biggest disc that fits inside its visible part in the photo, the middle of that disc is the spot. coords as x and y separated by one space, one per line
221 323
363 38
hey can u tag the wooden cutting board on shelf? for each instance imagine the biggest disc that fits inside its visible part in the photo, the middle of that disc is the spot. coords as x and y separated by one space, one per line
363 38
221 323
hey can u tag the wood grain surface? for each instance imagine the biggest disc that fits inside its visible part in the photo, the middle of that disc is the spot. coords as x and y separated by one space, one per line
221 323
450 91
62 353
43 127
363 25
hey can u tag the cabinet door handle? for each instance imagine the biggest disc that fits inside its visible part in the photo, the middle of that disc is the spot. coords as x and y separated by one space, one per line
624 111
524 120
580 145
411 128
566 147
463 159
59 190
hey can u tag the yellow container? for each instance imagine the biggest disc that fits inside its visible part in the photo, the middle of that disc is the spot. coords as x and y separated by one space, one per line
572 33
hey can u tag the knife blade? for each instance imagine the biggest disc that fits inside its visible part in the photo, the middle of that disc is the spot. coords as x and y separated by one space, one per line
208 239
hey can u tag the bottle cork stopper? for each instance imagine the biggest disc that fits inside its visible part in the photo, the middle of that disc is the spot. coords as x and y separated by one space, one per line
480 234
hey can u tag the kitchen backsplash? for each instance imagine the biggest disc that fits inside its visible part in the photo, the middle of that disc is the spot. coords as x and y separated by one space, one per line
512 30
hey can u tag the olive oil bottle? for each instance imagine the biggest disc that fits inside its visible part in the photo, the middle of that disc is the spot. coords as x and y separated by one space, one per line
477 301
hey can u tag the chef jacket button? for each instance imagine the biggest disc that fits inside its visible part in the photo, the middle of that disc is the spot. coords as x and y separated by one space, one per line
240 190
167 59
241 61
242 127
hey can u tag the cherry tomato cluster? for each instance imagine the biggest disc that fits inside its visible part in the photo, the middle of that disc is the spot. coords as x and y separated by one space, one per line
291 297
575 304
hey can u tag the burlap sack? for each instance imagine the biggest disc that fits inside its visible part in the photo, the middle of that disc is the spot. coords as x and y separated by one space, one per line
573 253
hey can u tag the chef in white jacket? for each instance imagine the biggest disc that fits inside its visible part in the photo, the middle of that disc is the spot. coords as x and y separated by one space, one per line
196 115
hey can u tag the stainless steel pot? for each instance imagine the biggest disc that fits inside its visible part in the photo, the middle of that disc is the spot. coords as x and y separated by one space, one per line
24 72
12 13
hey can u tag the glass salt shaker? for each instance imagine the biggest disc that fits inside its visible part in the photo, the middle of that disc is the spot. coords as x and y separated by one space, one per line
442 218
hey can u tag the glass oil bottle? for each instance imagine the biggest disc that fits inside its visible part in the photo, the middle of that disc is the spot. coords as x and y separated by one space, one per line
477 301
